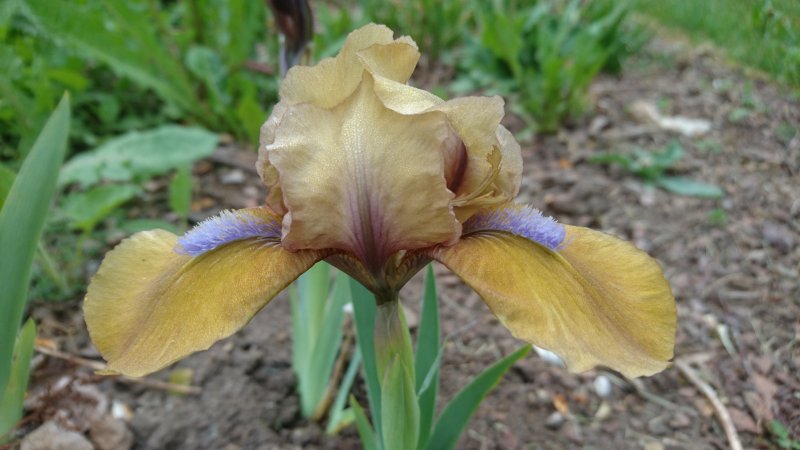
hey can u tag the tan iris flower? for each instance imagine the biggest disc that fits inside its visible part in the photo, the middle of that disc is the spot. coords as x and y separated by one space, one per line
379 178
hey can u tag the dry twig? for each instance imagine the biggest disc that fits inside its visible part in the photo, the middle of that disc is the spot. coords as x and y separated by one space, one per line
722 412
97 365
642 391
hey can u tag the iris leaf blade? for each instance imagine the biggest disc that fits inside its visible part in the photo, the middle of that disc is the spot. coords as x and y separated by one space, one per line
21 221
459 411
337 416
12 399
328 340
364 313
365 432
427 357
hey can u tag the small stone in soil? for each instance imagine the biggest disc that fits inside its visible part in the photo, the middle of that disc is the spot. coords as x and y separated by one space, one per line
654 445
658 426
680 420
52 437
572 431
602 385
109 433
554 421
603 412
235 176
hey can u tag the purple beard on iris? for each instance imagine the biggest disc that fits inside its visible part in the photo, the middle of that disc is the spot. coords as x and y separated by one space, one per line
228 227
522 221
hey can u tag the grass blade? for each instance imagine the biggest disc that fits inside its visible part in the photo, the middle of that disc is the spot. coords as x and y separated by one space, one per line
426 357
21 222
458 412
11 400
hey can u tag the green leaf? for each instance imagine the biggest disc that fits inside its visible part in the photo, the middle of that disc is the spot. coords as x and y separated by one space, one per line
689 187
365 432
613 158
71 79
12 398
21 222
251 115
669 156
139 154
502 35
426 358
85 210
364 313
338 415
206 65
399 408
458 412
180 192
6 180
328 341
309 292
123 35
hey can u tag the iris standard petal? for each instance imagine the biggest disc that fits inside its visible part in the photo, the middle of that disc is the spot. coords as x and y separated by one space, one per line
491 161
363 178
333 79
596 300
149 306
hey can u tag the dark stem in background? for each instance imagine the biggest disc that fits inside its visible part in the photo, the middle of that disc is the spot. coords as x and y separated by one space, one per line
297 29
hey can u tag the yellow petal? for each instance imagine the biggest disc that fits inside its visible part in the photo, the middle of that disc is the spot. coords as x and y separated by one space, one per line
268 173
596 301
363 178
486 181
332 80
395 61
149 306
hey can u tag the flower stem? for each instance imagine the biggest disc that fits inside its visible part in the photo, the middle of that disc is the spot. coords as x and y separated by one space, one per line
392 338
395 366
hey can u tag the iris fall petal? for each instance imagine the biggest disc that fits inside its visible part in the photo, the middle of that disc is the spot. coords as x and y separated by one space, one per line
596 300
149 306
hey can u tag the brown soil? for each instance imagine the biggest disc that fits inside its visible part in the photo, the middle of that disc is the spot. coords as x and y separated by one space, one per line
733 264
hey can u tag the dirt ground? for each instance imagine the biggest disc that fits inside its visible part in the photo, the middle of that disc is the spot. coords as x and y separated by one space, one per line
733 264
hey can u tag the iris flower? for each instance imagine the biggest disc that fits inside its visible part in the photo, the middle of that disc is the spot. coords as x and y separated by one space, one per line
379 178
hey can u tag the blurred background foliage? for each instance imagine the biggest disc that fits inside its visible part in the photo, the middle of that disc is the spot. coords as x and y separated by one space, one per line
154 84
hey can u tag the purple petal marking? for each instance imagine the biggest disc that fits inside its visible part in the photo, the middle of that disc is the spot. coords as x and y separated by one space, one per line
227 227
521 220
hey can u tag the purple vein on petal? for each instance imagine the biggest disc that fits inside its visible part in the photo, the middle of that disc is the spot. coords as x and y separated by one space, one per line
521 220
227 227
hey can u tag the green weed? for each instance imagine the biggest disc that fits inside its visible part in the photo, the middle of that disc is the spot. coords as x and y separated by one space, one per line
546 54
653 168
